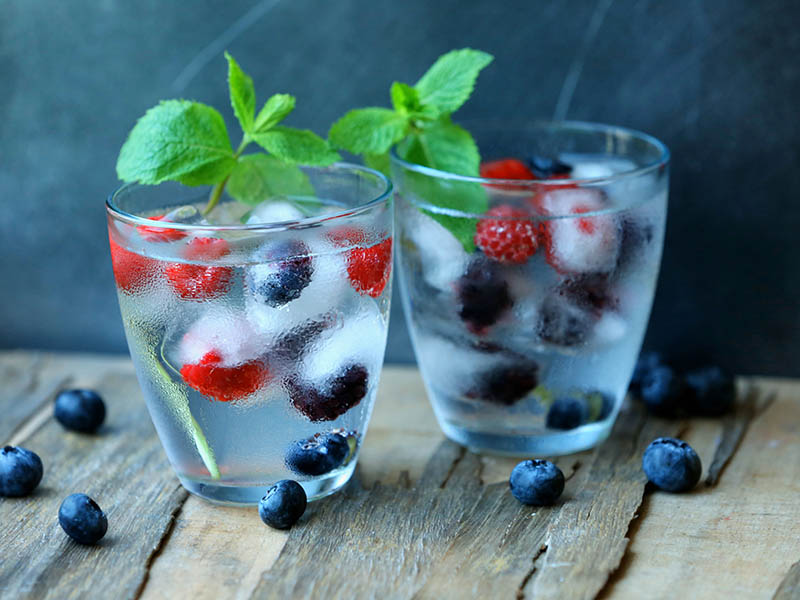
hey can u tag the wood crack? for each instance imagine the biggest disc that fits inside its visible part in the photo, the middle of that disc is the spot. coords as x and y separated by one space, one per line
529 574
462 452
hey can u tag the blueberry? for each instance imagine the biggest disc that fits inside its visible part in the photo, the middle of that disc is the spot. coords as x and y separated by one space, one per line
661 390
644 365
344 392
81 519
286 273
317 455
567 412
545 167
506 384
483 294
710 392
292 345
536 482
591 292
20 471
283 504
563 323
80 410
672 465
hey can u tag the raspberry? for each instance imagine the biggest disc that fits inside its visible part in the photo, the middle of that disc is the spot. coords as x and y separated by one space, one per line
152 233
369 268
506 168
511 239
346 390
224 383
132 271
201 282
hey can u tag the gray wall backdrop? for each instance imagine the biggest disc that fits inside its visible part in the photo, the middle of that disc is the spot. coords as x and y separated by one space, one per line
718 81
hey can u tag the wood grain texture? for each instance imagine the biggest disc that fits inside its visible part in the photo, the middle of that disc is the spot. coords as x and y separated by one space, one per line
789 588
124 469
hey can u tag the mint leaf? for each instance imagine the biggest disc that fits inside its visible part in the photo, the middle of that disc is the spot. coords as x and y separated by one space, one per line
449 82
243 94
368 130
444 146
273 112
405 98
296 146
379 162
177 140
258 177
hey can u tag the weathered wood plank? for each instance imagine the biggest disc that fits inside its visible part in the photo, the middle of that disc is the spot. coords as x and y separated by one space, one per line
790 586
124 469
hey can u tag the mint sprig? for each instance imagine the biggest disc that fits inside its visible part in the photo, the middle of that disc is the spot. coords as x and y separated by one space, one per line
420 127
186 141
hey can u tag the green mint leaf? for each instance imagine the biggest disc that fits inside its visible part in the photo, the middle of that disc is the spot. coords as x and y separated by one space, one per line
379 162
368 130
296 146
445 146
258 177
405 98
273 112
177 140
243 94
449 82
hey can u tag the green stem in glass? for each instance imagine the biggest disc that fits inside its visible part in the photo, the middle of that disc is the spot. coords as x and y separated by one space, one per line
216 191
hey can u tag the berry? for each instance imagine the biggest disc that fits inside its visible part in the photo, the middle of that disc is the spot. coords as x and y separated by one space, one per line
283 504
567 413
286 273
201 282
671 465
291 345
20 471
634 237
132 272
506 168
345 391
225 383
592 292
81 519
710 392
646 362
563 323
509 239
536 482
318 454
544 167
80 410
506 384
484 295
661 390
369 268
153 233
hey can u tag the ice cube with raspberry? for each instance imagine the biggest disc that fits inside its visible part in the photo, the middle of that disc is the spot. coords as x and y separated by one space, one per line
202 279
573 243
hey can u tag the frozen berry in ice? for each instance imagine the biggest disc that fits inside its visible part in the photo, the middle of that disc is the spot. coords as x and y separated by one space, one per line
132 272
285 272
370 268
212 378
544 167
483 294
507 235
154 233
331 400
506 384
592 291
634 237
199 281
318 454
506 168
561 322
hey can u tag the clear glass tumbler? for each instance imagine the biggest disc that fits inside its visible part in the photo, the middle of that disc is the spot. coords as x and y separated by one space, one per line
257 333
527 315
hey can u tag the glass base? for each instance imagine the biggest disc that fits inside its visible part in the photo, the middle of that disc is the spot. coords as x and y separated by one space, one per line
529 445
238 495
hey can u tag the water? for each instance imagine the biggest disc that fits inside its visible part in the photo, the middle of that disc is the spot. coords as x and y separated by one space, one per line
233 370
548 373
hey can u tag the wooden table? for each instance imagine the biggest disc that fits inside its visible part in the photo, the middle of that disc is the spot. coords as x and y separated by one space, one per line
423 518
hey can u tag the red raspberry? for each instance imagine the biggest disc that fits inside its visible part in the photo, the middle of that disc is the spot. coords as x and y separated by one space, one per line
507 241
201 282
151 233
506 168
132 271
369 268
222 383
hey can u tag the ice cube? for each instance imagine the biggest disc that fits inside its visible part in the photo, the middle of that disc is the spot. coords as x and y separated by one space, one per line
223 331
184 214
274 211
575 244
610 328
442 256
590 169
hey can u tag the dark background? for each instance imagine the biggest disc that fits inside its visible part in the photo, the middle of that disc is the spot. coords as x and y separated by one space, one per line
718 81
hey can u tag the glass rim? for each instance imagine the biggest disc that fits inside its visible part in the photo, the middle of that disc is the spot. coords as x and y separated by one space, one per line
521 185
386 194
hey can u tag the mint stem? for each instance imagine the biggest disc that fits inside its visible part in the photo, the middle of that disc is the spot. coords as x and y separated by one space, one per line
216 191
